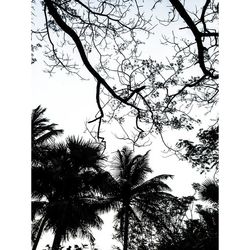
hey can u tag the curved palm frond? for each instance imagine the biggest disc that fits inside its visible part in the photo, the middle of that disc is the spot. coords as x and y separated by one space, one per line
209 191
42 131
154 184
123 163
42 134
140 169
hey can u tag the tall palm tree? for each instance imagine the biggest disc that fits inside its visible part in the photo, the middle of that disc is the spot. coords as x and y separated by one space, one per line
64 189
130 193
42 132
209 192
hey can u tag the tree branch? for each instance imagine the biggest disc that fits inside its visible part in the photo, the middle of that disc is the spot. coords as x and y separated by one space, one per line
198 37
68 30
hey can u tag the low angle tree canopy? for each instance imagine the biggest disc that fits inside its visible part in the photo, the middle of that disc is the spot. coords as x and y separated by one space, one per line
104 40
150 69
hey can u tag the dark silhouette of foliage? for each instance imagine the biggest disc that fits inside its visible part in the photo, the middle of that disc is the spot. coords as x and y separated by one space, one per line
64 190
163 227
42 133
205 155
67 179
170 227
70 189
209 191
132 194
204 232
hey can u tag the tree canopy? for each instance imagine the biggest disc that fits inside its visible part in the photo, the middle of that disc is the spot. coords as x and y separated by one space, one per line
64 188
103 40
154 65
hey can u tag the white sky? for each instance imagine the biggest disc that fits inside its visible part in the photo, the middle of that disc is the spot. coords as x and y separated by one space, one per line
16 103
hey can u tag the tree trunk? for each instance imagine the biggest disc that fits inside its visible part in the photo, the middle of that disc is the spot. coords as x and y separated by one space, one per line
38 236
57 239
126 224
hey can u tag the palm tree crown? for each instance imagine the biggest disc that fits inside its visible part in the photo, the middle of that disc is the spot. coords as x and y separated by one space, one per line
63 189
209 191
42 132
131 194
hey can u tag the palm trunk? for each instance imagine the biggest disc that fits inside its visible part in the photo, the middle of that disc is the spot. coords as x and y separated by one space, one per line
57 239
126 224
38 236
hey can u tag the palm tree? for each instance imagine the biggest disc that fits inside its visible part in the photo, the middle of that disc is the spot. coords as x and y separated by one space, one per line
65 188
42 132
209 192
130 193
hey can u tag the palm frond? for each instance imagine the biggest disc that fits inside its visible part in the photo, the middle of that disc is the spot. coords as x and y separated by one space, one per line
209 191
104 183
107 204
122 164
42 131
155 184
140 169
35 228
85 154
37 208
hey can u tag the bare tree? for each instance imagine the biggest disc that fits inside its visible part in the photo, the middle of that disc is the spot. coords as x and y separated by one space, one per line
105 37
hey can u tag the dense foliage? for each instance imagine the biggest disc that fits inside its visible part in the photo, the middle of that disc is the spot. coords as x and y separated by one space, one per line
204 155
173 227
70 188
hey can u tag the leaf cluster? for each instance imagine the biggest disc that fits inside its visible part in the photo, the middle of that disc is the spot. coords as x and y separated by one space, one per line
203 155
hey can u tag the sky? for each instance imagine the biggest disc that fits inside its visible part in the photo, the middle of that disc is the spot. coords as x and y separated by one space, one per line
70 102
17 101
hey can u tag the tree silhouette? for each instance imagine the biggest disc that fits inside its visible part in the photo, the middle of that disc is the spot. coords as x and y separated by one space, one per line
199 234
203 234
162 229
171 226
63 189
203 155
209 192
42 132
131 193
